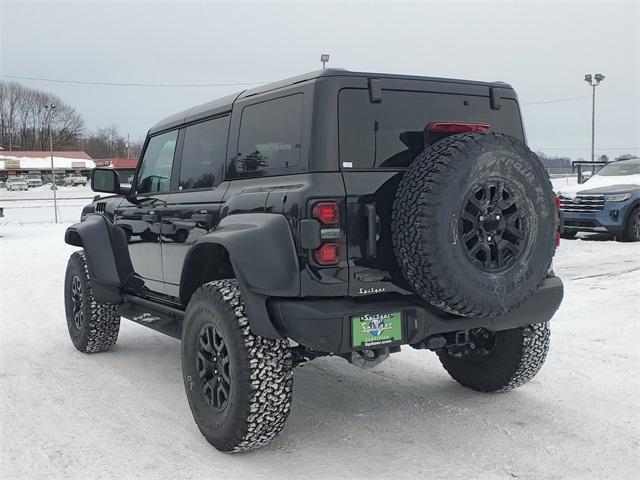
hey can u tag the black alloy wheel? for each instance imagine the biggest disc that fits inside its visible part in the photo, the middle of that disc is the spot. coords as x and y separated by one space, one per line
212 365
76 299
493 225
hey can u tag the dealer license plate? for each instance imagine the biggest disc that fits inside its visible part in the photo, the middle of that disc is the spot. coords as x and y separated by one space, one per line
376 329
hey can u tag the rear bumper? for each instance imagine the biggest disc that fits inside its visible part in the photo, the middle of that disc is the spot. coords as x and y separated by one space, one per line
325 325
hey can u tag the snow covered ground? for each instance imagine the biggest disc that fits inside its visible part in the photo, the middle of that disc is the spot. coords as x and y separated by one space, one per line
123 414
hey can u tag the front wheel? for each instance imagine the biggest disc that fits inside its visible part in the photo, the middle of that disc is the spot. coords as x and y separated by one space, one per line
631 231
93 325
239 385
498 361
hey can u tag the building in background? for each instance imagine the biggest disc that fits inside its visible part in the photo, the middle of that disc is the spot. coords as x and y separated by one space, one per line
39 163
125 167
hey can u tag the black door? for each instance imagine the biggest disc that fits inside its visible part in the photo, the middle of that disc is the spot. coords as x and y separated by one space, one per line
194 209
141 215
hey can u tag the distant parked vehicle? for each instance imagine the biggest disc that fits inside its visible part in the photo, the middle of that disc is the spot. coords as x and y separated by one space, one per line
34 180
17 183
75 180
609 201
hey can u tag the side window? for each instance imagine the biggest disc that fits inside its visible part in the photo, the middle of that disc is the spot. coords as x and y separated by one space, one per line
270 137
204 153
155 170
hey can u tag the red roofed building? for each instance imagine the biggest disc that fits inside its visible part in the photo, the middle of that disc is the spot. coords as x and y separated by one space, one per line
75 154
39 162
126 167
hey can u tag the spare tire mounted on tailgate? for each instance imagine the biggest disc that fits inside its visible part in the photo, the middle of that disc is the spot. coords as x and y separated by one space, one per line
474 224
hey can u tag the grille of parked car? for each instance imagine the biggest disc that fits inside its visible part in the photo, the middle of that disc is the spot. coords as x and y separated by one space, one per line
582 203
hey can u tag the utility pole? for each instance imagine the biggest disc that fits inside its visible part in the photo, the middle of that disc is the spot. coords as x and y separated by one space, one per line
50 108
593 81
128 149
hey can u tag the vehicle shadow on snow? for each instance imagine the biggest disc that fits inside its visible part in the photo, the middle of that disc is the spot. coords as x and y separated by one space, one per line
335 402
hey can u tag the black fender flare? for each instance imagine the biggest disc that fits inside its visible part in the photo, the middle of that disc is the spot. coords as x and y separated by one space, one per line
107 255
264 258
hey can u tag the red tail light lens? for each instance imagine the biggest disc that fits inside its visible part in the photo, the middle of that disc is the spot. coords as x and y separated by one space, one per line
457 127
327 254
326 212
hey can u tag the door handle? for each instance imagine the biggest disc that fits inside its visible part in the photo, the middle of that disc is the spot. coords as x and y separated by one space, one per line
203 218
373 227
151 217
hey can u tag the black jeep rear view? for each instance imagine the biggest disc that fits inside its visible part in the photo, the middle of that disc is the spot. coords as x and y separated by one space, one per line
335 213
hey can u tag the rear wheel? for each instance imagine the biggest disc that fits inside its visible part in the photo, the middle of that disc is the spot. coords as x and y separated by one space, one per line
93 325
498 361
239 385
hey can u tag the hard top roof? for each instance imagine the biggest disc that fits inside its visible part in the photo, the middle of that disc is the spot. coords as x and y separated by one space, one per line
225 104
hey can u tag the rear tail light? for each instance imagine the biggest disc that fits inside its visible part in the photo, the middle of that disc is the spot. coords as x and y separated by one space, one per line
326 212
457 127
327 254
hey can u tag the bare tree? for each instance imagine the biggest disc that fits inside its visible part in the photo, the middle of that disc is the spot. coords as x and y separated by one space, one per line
24 120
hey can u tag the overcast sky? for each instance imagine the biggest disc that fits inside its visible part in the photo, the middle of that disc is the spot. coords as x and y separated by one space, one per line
542 49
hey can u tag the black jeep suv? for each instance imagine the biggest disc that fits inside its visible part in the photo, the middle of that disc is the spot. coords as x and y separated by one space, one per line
334 213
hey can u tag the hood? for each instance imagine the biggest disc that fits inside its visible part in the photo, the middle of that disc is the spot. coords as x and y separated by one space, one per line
602 184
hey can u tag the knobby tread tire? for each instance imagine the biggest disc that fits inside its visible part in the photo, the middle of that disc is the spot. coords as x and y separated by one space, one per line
262 376
518 356
419 228
101 321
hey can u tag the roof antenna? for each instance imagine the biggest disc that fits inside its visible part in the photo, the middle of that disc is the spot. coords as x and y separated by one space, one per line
324 58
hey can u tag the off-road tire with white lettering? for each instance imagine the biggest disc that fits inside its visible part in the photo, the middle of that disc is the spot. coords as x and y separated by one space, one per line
259 376
516 358
438 214
93 325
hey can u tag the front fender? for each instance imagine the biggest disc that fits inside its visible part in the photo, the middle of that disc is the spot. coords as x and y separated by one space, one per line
263 255
105 247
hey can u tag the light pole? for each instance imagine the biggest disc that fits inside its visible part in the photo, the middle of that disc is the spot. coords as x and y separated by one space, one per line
594 81
50 107
324 58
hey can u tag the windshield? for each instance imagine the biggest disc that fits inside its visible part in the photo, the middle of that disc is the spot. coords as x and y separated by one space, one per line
622 167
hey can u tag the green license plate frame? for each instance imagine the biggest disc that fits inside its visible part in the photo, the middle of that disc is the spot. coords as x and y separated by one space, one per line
372 330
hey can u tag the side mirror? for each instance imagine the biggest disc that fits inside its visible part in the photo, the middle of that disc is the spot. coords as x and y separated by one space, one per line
106 180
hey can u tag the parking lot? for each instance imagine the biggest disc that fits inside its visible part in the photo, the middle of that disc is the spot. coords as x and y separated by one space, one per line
123 414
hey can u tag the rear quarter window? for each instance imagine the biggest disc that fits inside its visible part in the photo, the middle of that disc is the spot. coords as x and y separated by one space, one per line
390 134
270 140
